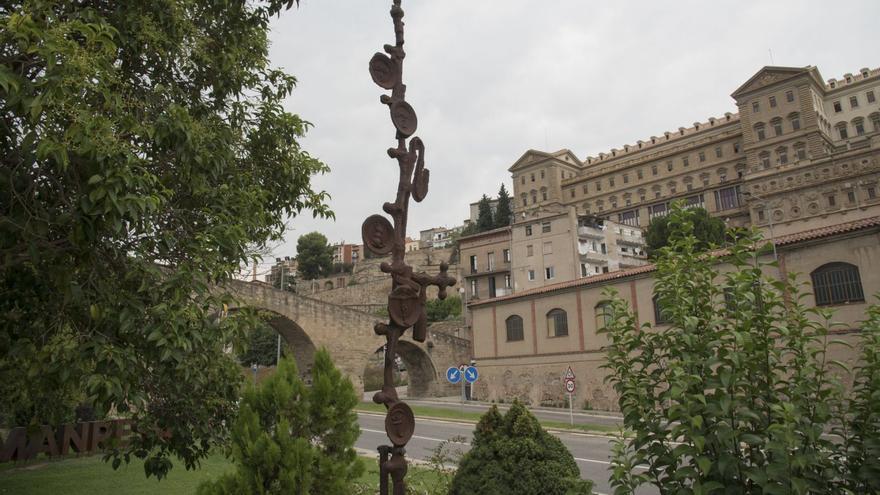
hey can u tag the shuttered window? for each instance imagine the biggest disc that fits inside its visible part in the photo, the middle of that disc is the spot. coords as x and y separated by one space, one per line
837 283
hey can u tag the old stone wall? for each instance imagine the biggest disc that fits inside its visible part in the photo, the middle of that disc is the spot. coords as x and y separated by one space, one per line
367 288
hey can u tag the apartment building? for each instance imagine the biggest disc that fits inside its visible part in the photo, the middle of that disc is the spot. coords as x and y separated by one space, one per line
798 154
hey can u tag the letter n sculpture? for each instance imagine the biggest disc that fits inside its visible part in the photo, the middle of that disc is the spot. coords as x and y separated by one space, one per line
406 302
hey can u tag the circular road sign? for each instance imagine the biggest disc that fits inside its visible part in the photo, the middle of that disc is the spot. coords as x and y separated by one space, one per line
569 386
453 374
470 374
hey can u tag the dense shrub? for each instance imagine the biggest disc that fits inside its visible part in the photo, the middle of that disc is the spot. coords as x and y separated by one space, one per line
513 455
443 309
290 438
737 393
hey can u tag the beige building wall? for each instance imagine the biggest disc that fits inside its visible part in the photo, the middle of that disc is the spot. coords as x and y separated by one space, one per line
531 367
484 264
781 160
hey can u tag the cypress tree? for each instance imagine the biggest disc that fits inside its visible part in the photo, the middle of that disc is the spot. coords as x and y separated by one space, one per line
503 212
484 219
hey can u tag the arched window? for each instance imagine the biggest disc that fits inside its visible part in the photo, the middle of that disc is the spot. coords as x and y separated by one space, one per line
525 199
764 157
557 323
782 155
514 326
759 131
795 119
534 196
660 315
603 315
859 125
777 126
875 121
837 283
544 193
800 150
841 130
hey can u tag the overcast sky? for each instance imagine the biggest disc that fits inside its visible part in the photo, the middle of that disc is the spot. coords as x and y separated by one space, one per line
490 79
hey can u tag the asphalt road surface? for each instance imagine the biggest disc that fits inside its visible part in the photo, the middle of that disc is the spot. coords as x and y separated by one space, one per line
591 452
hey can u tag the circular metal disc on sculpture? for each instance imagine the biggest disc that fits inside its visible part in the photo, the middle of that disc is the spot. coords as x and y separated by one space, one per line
420 185
404 118
404 306
384 71
378 234
400 424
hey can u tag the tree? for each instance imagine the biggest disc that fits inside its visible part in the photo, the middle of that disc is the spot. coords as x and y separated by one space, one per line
503 212
290 438
484 216
314 256
443 309
514 455
708 230
736 393
261 346
146 155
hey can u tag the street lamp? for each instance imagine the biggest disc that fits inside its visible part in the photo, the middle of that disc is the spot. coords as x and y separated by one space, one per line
751 195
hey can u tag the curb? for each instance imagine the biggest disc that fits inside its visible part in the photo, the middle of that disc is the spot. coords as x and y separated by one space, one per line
553 429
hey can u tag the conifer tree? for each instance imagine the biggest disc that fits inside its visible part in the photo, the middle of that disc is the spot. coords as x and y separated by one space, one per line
484 218
503 212
291 438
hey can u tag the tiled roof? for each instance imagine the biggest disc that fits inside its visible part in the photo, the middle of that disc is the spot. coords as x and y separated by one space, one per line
784 240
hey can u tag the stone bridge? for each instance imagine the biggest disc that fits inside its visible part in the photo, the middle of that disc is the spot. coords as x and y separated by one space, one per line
308 324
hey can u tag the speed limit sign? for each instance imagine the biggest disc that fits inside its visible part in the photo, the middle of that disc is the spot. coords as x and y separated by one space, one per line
569 386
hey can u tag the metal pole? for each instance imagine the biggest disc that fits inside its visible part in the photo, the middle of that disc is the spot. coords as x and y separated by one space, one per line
571 408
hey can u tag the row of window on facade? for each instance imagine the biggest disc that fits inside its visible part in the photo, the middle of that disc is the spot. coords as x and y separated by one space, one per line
490 260
833 283
782 156
858 126
794 120
727 198
854 101
492 286
771 100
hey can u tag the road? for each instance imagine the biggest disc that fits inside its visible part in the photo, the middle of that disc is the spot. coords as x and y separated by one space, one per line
544 413
591 452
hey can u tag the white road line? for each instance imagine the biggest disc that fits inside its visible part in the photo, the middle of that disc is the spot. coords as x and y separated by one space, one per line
427 420
430 439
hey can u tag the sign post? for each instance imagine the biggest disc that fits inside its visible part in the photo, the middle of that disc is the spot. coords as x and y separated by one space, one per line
568 381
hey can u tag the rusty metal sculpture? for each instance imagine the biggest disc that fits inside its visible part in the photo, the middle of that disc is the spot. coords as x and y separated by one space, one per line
406 302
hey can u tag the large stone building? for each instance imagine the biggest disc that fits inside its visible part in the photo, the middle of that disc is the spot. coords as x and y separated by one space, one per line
800 159
800 153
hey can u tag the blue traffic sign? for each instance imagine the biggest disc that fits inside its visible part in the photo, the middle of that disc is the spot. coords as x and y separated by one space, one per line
453 375
470 374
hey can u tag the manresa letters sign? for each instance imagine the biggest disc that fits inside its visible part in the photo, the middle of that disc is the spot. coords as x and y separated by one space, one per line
92 436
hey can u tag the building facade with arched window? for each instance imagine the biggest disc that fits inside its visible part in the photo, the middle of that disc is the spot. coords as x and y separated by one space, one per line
523 342
819 139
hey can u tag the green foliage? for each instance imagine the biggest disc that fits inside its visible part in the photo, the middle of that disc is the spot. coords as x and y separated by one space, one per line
261 347
708 230
290 438
146 155
503 212
735 394
443 309
484 215
861 421
513 455
314 256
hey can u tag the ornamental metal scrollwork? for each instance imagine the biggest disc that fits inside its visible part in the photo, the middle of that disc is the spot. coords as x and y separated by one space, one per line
406 302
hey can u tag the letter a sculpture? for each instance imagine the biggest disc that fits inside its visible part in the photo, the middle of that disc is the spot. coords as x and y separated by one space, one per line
406 303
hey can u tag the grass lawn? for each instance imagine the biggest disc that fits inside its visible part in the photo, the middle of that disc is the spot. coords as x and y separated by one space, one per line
90 475
455 414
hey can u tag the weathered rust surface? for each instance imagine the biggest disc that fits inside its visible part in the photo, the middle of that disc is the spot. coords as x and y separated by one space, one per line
406 302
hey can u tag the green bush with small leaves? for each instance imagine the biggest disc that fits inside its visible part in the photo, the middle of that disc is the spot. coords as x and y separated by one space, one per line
513 455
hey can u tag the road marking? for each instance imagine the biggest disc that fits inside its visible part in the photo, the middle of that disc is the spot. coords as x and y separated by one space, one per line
430 439
421 418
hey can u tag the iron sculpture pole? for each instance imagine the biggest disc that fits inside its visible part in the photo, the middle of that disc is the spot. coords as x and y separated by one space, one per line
406 302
